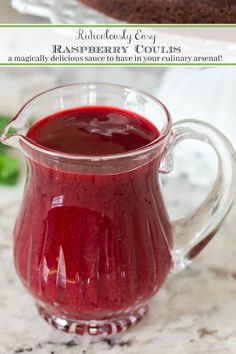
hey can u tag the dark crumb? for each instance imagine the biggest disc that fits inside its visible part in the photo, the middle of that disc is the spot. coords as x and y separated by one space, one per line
70 344
52 352
39 346
127 343
22 350
84 351
109 342
203 332
192 341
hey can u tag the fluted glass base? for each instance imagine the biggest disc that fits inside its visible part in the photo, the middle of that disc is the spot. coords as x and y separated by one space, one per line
93 327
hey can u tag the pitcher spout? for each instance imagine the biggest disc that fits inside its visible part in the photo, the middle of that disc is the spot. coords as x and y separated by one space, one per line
11 135
15 131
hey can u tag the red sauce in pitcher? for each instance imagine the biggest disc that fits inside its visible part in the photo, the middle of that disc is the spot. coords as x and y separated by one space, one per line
91 245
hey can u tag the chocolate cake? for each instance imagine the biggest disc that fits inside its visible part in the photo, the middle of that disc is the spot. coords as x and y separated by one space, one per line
167 11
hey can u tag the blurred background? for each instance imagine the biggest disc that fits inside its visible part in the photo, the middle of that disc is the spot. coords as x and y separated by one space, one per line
9 15
205 94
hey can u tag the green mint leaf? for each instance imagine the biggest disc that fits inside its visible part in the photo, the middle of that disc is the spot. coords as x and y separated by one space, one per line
9 170
3 122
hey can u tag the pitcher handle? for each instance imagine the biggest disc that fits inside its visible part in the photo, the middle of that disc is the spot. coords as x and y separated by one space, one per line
197 229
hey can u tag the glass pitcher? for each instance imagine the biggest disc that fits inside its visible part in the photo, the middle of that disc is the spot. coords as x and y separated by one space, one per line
93 241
